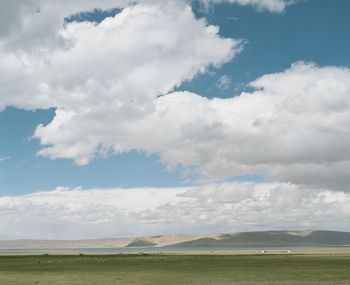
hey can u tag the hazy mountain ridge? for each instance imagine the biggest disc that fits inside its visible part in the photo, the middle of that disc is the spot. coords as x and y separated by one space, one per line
275 238
258 238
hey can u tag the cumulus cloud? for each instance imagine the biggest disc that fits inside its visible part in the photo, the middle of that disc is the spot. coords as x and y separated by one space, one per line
120 61
228 207
293 128
111 72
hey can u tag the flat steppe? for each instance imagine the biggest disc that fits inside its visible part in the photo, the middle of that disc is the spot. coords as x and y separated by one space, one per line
261 269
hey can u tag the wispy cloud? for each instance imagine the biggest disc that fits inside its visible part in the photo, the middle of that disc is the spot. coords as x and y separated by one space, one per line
224 82
4 158
275 6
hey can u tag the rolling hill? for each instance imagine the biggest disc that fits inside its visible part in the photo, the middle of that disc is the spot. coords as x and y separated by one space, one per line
274 238
243 239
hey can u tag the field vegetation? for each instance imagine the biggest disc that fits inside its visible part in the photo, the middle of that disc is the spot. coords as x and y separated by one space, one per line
176 269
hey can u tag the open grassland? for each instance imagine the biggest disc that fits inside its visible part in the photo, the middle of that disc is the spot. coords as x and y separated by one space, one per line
176 269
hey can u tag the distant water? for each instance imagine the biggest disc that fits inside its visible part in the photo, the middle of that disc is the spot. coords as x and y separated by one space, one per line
169 249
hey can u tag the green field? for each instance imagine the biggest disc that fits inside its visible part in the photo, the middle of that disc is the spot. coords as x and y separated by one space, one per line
176 269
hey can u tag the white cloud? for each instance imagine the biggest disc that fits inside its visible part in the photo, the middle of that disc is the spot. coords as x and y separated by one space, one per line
293 128
35 24
4 158
144 51
275 6
228 207
112 70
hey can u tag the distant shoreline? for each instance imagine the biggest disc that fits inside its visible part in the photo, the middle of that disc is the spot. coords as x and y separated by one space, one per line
175 250
250 240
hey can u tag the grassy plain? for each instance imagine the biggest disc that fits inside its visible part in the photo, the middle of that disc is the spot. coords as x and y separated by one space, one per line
176 269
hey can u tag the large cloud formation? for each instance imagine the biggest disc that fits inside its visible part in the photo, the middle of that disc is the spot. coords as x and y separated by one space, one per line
228 207
294 127
111 71
112 86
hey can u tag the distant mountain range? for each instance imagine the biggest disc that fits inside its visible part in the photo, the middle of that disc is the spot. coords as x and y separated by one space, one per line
274 238
243 239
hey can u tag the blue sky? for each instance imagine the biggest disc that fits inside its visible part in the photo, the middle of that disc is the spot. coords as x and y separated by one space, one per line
310 31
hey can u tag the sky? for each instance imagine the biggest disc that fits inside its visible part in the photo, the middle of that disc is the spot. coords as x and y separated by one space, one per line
131 118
